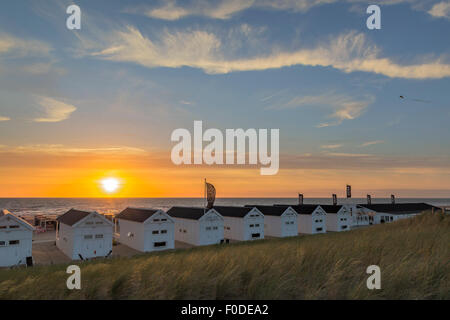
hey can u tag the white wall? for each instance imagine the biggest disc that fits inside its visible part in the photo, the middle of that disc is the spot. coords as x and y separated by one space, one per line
186 230
340 221
93 227
243 229
211 229
282 226
143 237
14 254
312 223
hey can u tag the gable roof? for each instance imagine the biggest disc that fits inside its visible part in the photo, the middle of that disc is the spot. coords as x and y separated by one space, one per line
136 214
187 212
399 208
303 209
330 208
4 212
72 216
270 210
235 212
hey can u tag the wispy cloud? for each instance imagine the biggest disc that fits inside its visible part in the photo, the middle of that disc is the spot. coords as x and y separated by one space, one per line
342 107
371 143
55 110
331 146
440 10
4 118
348 52
56 149
23 47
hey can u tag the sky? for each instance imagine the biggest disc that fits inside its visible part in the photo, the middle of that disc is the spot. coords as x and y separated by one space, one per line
79 106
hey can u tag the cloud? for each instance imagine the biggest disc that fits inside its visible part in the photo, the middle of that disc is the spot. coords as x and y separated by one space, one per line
342 107
56 149
4 118
22 47
55 110
222 10
331 146
348 52
371 143
440 10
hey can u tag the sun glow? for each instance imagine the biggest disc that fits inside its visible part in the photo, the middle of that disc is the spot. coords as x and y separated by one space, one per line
110 185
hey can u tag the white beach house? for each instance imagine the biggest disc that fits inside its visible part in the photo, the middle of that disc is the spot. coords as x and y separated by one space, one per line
197 226
279 221
388 212
242 223
16 238
338 218
84 235
311 218
145 230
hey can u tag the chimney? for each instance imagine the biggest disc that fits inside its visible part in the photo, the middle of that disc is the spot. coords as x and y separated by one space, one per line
349 191
392 199
334 199
300 199
369 199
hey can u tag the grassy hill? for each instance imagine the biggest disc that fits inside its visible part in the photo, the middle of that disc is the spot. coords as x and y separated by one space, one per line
414 257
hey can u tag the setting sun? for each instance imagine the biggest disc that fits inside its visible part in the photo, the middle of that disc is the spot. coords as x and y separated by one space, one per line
110 185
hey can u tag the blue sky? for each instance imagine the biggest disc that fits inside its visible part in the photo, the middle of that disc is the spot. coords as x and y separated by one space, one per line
138 70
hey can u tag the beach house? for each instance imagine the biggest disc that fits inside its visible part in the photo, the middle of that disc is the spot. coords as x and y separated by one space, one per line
16 238
84 235
242 223
145 230
311 218
279 221
338 218
197 226
389 212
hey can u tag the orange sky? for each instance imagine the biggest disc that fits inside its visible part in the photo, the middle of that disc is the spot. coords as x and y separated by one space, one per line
78 173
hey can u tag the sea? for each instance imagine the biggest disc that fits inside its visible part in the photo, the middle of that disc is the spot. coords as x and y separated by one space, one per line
34 206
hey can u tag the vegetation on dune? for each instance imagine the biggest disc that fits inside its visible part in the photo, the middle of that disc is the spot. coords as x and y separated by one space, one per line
413 254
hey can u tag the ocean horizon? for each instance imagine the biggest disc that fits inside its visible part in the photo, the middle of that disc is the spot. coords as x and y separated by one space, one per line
34 206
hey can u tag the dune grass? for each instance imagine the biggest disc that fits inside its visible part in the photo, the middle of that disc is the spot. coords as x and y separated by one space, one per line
413 254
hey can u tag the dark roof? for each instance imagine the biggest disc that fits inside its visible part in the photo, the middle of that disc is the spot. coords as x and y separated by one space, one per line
399 208
270 210
236 212
187 212
136 214
303 209
330 208
73 216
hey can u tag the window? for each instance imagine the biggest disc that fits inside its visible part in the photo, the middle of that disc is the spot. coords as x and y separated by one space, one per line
256 225
184 231
163 219
98 236
208 228
155 220
88 236
89 223
255 235
14 227
155 232
2 227
14 242
99 222
163 231
159 244
252 225
318 229
215 228
2 243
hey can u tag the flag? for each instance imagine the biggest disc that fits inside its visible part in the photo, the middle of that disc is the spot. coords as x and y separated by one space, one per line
210 195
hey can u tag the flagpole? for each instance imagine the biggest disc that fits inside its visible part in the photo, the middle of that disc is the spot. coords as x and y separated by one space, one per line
204 198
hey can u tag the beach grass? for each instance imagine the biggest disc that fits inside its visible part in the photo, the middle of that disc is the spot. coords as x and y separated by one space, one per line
413 254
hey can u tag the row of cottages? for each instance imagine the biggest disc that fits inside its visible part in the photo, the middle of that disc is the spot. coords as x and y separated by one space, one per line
311 218
145 230
16 239
242 223
197 226
279 221
84 235
389 212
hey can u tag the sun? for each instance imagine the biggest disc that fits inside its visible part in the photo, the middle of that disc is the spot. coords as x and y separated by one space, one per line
110 185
